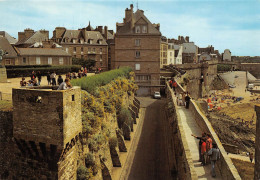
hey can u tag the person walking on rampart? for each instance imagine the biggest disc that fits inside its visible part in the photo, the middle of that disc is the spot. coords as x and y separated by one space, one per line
214 156
208 145
33 76
60 80
251 156
187 100
53 79
200 142
174 85
203 151
39 76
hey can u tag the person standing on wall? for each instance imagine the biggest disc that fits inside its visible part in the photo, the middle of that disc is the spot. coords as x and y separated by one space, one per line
200 142
49 78
187 100
203 151
214 156
208 145
53 78
39 76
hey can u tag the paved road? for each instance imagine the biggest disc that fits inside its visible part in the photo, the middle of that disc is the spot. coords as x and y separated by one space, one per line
151 157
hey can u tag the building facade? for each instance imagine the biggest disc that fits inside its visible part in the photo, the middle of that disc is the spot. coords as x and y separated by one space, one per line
171 54
164 52
226 55
137 45
190 53
85 43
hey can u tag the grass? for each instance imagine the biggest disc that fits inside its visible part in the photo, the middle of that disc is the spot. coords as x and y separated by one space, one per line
244 168
5 105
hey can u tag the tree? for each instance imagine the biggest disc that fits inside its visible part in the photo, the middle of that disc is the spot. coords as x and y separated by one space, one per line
88 63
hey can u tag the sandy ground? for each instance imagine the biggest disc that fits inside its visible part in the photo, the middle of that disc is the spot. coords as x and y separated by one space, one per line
6 88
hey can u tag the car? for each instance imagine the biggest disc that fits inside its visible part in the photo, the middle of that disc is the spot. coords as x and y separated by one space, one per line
157 95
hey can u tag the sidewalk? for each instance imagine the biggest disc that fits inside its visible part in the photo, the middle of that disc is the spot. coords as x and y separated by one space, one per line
190 127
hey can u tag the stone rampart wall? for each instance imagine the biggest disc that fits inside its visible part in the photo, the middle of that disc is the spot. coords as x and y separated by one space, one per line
183 163
225 165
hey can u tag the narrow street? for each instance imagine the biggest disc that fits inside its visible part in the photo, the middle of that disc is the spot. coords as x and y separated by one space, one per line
151 157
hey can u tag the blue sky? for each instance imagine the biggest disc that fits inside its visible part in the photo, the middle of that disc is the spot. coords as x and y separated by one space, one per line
225 24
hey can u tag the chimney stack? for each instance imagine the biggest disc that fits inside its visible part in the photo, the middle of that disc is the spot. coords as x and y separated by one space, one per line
105 33
100 28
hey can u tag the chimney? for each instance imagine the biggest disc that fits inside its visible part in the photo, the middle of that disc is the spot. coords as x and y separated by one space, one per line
21 35
142 11
128 14
179 38
105 33
100 28
28 32
58 32
46 33
157 26
187 38
111 32
182 38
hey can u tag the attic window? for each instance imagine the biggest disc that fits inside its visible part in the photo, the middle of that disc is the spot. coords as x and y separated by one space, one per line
144 30
74 40
137 29
100 41
90 41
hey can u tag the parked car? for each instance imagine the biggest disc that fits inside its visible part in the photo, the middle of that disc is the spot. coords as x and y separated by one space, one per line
157 95
232 86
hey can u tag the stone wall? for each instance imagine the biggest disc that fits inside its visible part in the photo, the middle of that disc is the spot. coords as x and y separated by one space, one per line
225 165
257 144
182 163
253 68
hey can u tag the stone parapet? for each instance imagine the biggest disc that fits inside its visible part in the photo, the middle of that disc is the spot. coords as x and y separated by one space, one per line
3 75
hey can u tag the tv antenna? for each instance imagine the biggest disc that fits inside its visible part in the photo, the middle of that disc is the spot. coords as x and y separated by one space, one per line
137 4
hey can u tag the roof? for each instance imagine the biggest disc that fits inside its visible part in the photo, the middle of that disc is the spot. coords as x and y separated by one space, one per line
6 46
42 52
10 39
189 47
36 37
138 15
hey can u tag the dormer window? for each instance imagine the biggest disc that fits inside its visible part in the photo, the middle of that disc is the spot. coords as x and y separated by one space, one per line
144 29
99 41
137 29
74 40
90 41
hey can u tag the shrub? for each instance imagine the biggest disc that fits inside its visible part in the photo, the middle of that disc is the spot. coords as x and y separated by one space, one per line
25 72
83 173
113 142
89 160
124 116
91 83
224 67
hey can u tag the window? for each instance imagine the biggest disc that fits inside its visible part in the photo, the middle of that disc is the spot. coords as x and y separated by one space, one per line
137 54
67 50
142 77
61 60
7 62
74 50
24 60
81 41
89 49
170 53
137 67
100 50
94 49
100 41
74 40
73 97
82 49
49 60
137 29
144 30
137 42
90 41
38 60
100 57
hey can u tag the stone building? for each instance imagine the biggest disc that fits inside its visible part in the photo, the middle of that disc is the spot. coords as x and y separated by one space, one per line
164 52
30 37
11 57
85 43
190 53
205 56
171 54
137 45
10 39
226 56
42 56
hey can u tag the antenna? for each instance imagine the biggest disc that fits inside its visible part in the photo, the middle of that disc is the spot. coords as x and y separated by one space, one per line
137 5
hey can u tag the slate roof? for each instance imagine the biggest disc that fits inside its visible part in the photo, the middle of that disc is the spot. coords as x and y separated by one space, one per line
36 37
10 39
126 28
6 46
42 52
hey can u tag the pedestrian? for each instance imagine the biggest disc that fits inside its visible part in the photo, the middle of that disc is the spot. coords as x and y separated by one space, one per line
60 80
187 100
53 78
200 142
170 83
86 71
33 76
203 151
174 85
214 156
251 156
49 78
65 85
39 76
208 145
23 82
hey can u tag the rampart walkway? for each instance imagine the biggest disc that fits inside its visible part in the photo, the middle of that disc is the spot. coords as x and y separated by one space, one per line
191 127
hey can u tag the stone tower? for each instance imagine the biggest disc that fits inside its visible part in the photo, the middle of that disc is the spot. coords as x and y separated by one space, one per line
46 123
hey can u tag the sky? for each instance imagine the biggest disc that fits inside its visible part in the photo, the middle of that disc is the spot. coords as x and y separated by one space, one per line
225 24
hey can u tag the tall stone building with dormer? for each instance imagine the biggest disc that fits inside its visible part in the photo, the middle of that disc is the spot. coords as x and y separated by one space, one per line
137 45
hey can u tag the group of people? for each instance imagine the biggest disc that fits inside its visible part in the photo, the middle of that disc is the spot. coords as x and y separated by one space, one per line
35 80
51 78
208 151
